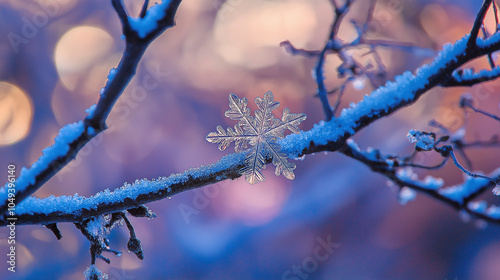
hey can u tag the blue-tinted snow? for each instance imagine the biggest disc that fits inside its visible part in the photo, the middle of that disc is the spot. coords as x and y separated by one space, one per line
72 204
66 135
90 111
429 182
403 89
92 272
470 186
424 141
469 74
383 99
406 195
144 26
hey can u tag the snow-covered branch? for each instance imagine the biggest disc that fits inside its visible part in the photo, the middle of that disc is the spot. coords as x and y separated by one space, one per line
459 196
326 136
139 33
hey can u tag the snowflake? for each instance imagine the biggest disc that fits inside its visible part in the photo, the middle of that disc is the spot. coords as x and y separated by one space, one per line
261 132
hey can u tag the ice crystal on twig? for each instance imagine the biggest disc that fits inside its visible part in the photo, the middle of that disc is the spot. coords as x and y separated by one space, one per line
261 132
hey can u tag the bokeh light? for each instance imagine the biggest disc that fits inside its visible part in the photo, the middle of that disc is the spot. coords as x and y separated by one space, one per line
16 113
79 50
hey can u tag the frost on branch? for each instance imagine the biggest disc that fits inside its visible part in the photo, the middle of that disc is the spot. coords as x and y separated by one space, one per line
261 132
424 141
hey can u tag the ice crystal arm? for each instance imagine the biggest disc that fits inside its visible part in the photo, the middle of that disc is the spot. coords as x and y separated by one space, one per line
239 112
264 116
254 162
281 162
224 139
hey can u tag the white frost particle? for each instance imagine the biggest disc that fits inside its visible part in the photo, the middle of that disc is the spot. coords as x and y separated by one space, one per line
406 174
359 83
411 136
390 184
478 206
301 158
433 183
96 227
406 195
92 272
493 211
496 190
144 26
90 131
112 74
90 111
458 135
424 141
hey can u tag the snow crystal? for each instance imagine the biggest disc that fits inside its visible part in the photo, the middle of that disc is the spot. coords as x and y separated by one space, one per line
429 182
359 83
496 190
478 206
433 183
90 111
261 133
96 227
470 186
493 211
406 195
458 135
92 272
424 141
144 26
91 131
112 74
406 174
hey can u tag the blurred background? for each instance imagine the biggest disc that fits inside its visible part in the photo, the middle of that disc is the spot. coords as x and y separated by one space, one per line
55 56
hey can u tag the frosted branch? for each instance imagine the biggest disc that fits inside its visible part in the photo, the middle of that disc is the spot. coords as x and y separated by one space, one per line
467 77
73 137
326 136
459 196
